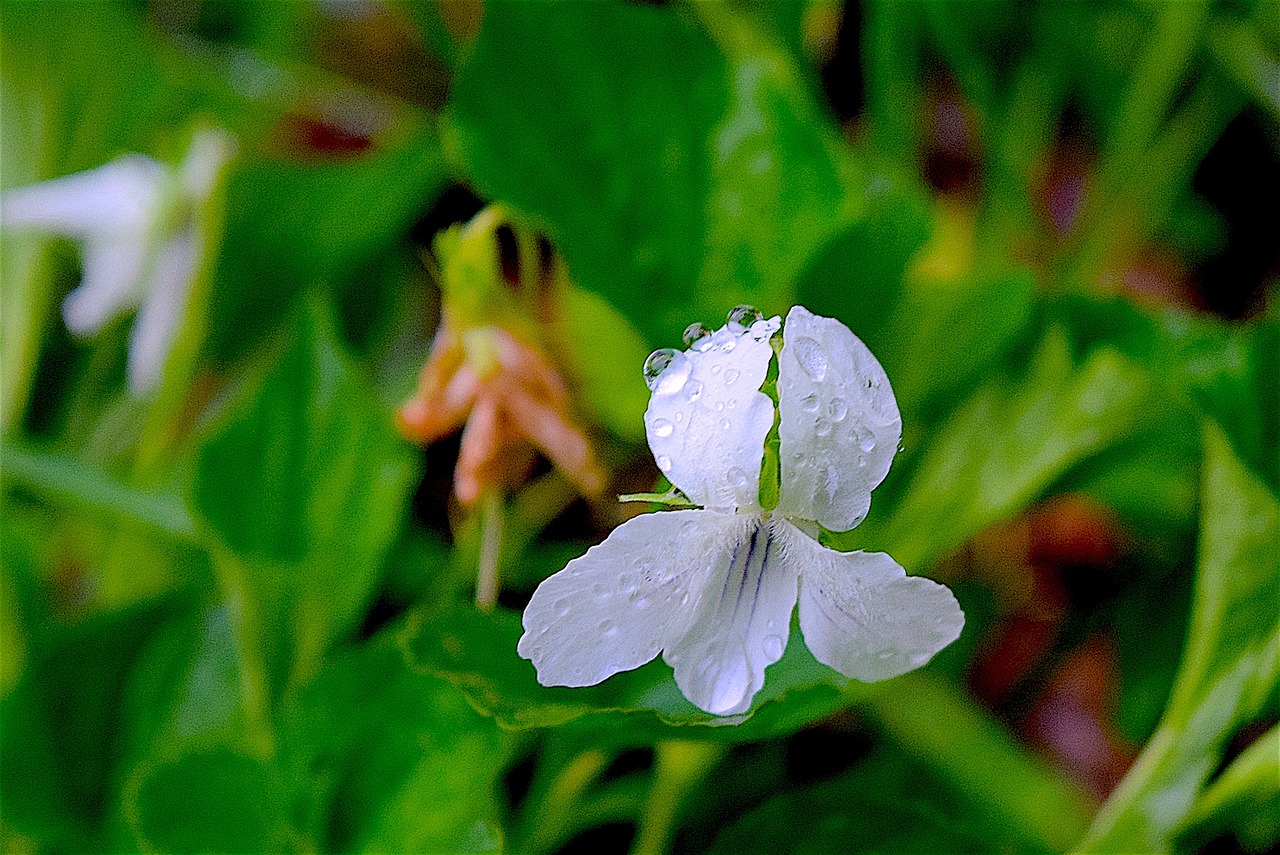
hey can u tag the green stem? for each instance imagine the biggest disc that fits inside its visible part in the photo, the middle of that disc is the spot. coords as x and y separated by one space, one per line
552 815
678 768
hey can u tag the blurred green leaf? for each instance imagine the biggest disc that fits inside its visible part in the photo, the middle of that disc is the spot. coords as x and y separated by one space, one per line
655 162
59 761
1011 439
607 356
975 756
220 800
328 220
391 760
1228 372
941 335
887 803
1231 664
303 484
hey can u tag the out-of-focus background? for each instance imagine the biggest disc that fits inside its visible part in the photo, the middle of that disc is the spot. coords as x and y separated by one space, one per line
263 572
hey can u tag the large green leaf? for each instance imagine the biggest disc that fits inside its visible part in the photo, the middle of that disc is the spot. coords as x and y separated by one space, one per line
1231 666
477 652
678 174
303 486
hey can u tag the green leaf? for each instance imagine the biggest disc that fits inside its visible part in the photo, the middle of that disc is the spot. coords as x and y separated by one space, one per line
606 356
220 800
1231 665
940 336
477 652
888 803
312 222
978 758
59 761
390 760
303 486
1003 447
654 161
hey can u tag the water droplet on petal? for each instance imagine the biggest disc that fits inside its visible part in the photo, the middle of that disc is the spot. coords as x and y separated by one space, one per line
773 647
664 463
697 337
725 424
562 607
693 391
666 370
719 405
822 427
608 629
809 403
867 442
744 316
737 477
811 358
837 409
731 375
662 428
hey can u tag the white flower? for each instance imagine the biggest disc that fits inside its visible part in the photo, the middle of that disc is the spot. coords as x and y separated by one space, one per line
141 248
713 589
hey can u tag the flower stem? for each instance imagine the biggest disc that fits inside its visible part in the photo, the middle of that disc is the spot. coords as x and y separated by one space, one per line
492 512
678 768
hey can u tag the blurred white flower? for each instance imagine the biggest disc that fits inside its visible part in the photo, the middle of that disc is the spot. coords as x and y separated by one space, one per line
713 589
141 248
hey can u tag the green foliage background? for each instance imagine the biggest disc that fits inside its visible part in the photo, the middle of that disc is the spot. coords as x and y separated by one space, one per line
229 625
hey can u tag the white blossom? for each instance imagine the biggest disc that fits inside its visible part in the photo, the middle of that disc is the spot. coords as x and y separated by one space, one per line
713 589
134 219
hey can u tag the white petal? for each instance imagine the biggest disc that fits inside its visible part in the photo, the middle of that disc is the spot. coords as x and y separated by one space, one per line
112 284
839 423
863 615
162 309
616 607
741 622
707 418
118 197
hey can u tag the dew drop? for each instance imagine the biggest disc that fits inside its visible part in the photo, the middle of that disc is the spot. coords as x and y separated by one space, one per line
562 607
737 477
744 316
809 403
724 424
608 629
728 344
664 463
867 442
662 428
692 391
811 358
822 427
773 647
719 405
837 409
731 375
732 403
697 337
666 370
